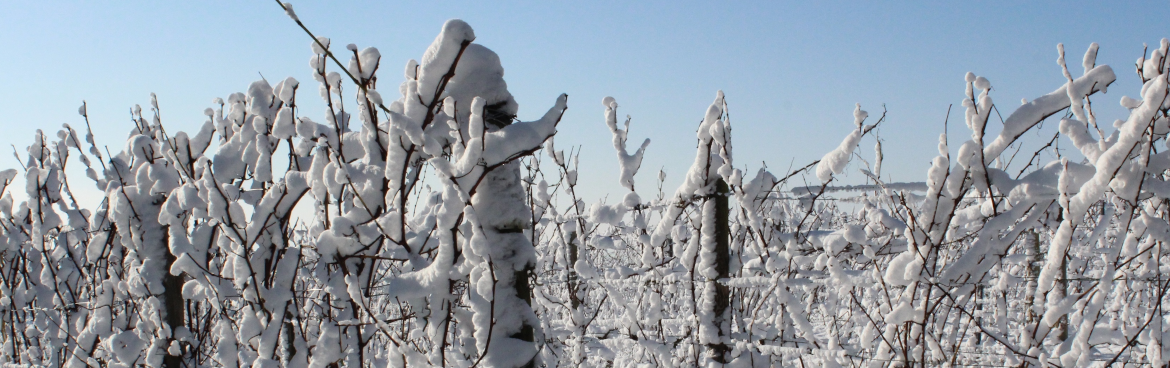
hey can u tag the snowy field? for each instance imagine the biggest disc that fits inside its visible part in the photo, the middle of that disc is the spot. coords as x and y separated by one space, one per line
421 220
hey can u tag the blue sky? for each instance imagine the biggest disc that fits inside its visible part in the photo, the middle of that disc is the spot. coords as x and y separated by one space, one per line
792 71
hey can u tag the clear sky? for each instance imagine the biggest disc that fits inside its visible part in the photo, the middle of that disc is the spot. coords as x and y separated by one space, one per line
792 71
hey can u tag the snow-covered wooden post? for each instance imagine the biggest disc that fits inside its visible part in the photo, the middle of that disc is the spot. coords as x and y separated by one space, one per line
712 166
173 304
721 308
505 216
148 237
457 97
